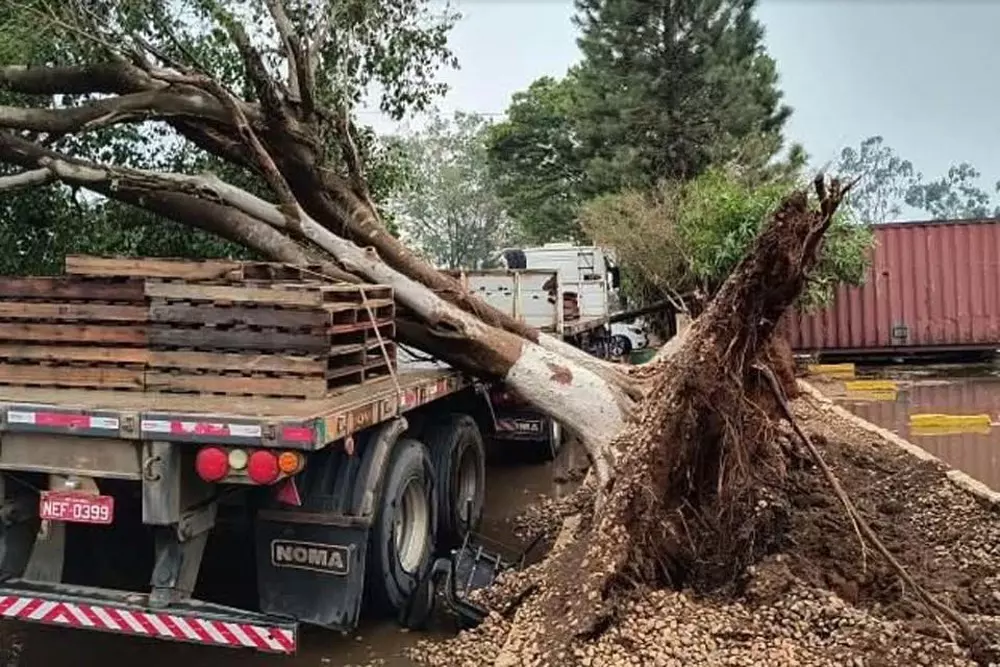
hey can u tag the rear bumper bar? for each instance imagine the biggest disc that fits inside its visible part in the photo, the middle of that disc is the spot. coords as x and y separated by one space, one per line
129 614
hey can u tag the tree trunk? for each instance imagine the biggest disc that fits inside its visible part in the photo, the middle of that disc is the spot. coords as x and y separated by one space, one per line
592 407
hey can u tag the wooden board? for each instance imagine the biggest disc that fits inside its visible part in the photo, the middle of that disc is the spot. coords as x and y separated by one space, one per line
230 294
70 288
306 387
66 353
192 270
239 339
249 363
70 376
86 265
20 310
292 409
210 314
74 333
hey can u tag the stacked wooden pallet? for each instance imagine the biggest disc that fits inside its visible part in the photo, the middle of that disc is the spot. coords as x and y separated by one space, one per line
245 328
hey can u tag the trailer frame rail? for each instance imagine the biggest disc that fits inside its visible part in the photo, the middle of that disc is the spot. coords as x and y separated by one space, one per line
125 613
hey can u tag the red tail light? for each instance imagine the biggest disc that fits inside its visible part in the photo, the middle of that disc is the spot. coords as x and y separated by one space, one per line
212 464
263 467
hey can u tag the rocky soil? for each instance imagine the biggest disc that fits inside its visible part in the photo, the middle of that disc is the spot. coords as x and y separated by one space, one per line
818 599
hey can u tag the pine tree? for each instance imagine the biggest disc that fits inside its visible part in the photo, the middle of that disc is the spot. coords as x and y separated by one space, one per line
668 87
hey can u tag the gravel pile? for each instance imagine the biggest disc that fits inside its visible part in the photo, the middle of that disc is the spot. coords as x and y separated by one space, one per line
817 602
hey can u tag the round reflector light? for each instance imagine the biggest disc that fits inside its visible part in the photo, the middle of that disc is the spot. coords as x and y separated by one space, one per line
288 462
237 459
211 464
263 467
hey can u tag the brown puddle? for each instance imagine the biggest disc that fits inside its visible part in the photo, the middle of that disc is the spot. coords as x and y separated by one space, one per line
973 448
511 486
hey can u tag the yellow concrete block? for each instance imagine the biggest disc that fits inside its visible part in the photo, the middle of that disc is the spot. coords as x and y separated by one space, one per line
888 395
832 370
871 385
964 423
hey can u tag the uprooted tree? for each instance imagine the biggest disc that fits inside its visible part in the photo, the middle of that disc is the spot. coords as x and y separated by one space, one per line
685 443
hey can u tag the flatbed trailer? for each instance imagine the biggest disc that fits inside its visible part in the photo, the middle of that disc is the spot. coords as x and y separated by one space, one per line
357 496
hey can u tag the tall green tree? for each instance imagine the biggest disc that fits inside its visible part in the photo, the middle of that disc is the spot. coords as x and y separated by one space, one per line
664 90
449 208
884 180
955 196
534 161
667 88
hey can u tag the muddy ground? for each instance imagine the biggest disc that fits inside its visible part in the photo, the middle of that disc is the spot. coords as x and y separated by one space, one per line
818 598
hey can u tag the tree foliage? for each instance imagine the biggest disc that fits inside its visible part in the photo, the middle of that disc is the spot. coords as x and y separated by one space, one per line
956 195
449 207
534 161
683 238
888 185
664 90
392 48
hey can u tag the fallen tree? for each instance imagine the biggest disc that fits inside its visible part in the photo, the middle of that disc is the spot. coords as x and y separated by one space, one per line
676 449
322 209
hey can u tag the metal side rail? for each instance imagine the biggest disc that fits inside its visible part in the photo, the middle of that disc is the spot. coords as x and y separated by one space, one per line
127 613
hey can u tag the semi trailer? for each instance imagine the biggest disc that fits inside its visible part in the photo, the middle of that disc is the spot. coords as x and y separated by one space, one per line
367 496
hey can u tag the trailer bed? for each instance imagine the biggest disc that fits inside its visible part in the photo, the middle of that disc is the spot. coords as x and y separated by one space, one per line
248 420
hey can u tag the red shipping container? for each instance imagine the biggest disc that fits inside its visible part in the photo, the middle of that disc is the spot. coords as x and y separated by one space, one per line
931 286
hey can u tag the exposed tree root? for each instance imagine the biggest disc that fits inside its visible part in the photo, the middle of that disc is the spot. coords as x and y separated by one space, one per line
690 506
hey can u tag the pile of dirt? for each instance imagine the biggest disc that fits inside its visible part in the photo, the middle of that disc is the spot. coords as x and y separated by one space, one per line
817 599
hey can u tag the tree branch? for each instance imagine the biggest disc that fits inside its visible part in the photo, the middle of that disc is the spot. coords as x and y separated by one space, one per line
25 179
205 202
160 104
110 77
293 48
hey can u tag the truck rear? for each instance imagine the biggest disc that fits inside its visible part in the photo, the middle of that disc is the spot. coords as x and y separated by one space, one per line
564 290
149 422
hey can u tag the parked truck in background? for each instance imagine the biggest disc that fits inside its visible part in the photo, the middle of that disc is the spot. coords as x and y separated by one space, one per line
564 290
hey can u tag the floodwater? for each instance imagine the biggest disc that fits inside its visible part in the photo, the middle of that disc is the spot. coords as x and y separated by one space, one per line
945 390
511 486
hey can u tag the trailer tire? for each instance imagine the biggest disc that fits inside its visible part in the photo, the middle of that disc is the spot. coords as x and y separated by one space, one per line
459 458
402 536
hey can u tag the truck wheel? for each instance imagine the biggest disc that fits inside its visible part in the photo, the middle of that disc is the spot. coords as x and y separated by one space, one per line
402 538
620 345
459 457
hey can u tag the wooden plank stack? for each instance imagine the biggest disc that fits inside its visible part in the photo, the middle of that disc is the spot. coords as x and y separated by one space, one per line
214 327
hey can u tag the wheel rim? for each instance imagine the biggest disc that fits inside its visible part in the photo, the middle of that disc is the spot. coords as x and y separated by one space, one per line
410 524
466 486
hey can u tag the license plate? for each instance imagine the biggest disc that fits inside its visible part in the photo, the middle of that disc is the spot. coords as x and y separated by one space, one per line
76 507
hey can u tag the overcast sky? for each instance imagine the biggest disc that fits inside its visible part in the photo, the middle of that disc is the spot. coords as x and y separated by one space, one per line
922 73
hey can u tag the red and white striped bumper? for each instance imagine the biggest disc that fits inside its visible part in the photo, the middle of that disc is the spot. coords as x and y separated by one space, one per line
194 622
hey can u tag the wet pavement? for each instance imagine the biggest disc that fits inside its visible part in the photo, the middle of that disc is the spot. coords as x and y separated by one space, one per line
944 390
512 484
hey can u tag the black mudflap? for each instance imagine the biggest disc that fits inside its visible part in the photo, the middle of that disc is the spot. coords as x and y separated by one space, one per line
311 571
311 558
